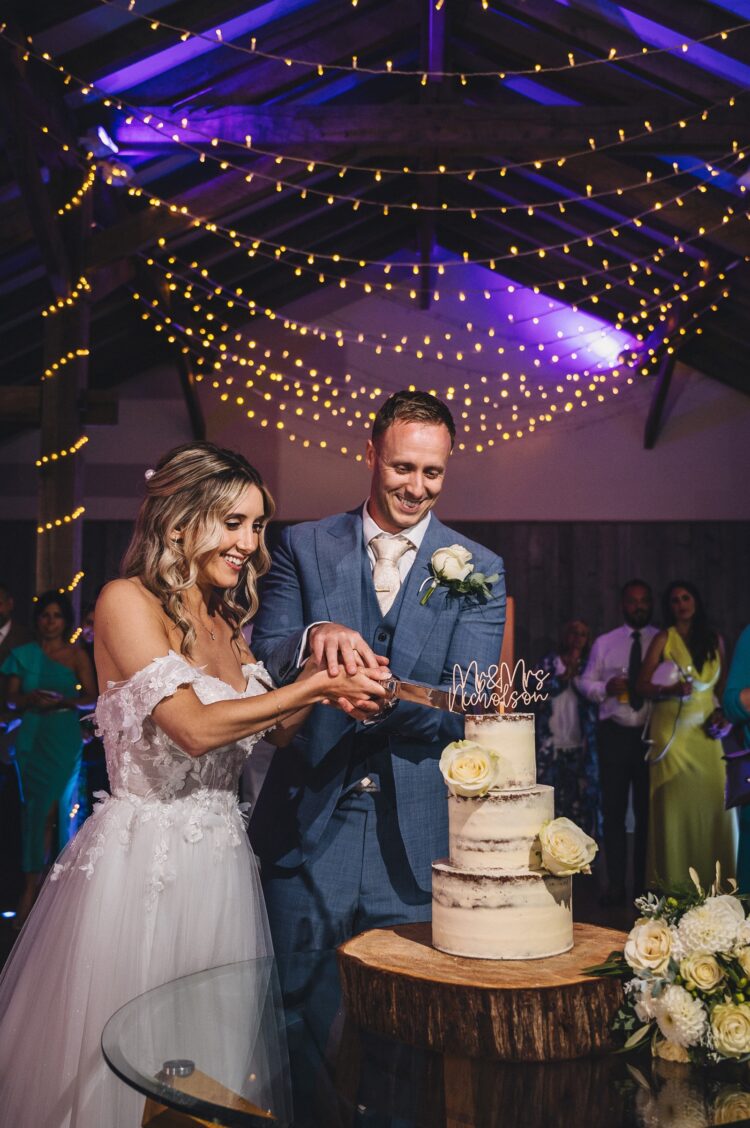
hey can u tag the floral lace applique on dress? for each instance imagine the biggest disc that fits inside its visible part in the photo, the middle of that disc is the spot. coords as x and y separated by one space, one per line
157 785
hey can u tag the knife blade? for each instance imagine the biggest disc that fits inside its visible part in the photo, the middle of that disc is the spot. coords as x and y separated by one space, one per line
420 694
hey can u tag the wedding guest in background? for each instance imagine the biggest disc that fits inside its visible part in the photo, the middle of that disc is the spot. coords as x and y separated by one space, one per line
683 673
12 634
349 821
609 681
566 732
48 680
736 702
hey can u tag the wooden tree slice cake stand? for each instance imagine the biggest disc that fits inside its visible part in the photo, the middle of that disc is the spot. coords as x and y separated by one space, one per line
397 985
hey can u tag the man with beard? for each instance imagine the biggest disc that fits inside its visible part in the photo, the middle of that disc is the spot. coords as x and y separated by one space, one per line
353 813
609 680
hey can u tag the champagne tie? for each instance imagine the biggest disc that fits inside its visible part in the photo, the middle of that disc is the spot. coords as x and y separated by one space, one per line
385 575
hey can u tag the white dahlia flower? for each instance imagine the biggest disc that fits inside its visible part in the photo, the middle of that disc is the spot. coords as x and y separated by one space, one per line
710 927
680 1017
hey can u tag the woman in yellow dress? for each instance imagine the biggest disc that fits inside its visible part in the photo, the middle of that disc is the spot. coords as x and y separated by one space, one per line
683 672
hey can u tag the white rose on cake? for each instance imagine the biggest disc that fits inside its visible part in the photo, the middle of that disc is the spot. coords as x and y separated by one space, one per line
566 849
468 768
452 563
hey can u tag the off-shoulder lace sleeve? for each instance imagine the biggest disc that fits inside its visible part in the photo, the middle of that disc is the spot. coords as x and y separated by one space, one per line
124 706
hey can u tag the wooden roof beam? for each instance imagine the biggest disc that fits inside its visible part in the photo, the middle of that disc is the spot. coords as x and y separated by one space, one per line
512 131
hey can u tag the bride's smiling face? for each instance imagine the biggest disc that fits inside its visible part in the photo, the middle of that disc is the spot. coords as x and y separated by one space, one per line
240 537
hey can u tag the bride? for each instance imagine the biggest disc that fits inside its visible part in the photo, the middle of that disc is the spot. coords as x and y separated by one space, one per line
160 881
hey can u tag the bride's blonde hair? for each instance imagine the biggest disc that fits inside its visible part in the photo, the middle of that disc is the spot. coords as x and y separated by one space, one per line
189 494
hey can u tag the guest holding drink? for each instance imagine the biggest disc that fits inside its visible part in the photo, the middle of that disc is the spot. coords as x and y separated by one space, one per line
683 673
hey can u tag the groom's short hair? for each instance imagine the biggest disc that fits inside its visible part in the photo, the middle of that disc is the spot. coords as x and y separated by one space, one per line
413 407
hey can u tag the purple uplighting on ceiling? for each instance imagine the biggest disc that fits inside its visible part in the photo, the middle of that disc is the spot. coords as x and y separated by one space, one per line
536 92
128 77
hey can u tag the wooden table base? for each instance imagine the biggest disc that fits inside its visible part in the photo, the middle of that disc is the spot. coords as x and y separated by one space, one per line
397 985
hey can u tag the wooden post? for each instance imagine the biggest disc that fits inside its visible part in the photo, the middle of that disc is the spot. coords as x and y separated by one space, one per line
59 550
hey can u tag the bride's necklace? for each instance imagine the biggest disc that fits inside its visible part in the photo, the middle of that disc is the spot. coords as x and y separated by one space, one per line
209 631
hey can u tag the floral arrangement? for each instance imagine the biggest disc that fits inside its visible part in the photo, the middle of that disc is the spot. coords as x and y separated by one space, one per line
689 957
452 568
470 770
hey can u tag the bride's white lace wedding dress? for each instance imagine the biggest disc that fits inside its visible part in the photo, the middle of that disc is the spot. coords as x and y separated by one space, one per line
159 882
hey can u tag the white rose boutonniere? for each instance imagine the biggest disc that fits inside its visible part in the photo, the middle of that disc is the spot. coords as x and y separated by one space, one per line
566 849
468 768
452 568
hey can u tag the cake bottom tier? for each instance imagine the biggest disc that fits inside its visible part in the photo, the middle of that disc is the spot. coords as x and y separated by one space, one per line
500 916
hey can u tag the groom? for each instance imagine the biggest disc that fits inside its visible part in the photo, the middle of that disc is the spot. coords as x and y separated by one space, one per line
352 814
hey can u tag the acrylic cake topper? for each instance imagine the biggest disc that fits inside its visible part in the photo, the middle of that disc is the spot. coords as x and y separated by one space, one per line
494 690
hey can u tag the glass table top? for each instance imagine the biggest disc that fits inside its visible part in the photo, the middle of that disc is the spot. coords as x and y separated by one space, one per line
269 1042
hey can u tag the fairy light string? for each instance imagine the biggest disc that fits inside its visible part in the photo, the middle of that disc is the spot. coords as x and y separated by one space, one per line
577 396
158 124
422 75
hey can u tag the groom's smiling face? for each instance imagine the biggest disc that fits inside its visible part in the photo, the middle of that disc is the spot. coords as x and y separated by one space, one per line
408 469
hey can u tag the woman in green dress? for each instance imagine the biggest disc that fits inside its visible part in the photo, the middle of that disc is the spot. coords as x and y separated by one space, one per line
683 672
48 680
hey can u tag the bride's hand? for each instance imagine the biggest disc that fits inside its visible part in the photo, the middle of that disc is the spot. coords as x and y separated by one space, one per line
360 695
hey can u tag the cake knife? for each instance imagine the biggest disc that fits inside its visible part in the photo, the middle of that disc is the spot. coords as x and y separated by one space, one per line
421 694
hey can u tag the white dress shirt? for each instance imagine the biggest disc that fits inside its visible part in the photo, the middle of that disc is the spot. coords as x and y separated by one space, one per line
609 658
5 630
415 536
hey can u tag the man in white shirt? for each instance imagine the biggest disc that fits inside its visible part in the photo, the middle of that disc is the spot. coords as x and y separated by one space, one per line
609 680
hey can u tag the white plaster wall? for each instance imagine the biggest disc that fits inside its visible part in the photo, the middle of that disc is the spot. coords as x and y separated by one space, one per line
584 467
580 468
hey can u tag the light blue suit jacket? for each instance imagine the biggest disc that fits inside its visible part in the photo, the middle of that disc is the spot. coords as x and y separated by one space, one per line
317 575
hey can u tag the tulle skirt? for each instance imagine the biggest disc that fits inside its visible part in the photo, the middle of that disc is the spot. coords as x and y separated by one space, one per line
146 892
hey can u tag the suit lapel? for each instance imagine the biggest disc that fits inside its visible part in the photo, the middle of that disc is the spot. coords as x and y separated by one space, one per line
416 622
339 553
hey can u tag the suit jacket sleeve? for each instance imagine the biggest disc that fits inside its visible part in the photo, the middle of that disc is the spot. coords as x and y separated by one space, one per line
279 625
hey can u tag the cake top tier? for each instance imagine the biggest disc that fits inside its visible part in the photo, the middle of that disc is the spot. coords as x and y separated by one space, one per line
509 738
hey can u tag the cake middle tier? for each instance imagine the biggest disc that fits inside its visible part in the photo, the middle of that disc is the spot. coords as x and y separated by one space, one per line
500 830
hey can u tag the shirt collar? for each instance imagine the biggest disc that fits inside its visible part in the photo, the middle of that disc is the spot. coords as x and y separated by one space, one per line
4 631
415 534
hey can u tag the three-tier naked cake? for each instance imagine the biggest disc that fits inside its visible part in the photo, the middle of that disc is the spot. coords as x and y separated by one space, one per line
492 899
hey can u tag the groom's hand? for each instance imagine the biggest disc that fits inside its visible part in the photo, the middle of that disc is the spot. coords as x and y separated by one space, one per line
333 645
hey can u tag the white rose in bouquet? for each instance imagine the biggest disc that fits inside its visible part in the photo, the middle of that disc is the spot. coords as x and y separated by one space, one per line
452 563
730 1026
468 768
648 946
566 849
680 1017
701 971
743 959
